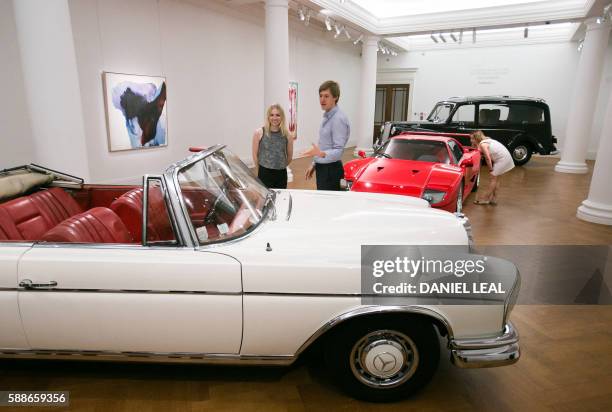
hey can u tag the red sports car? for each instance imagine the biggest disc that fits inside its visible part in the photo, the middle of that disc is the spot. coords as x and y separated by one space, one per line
432 166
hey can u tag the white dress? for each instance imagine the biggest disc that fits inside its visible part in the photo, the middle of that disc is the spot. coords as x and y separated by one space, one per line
501 157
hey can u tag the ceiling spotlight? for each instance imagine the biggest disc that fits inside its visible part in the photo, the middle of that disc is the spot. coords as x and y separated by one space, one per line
435 40
460 36
580 45
348 35
599 20
452 36
526 32
358 39
393 53
474 35
307 21
328 23
301 14
442 38
338 29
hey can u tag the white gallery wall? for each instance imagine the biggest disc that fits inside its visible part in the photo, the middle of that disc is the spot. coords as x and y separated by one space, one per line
16 147
213 60
537 70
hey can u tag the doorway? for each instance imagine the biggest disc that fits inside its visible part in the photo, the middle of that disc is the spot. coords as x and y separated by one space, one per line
391 105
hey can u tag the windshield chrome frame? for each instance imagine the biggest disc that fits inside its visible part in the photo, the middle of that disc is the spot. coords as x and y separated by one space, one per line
185 224
450 112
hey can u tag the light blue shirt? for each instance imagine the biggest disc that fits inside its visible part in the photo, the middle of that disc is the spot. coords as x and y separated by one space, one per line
333 135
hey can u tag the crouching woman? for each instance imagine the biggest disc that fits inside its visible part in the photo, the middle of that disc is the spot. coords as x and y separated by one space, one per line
499 161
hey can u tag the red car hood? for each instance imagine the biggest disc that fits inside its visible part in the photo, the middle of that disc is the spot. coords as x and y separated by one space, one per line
406 177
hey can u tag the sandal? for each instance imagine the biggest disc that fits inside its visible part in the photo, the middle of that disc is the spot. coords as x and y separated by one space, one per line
481 202
493 202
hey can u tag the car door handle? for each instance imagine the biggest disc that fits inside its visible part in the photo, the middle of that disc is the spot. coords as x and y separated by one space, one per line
27 284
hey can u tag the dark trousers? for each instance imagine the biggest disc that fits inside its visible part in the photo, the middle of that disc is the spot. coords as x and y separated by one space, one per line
329 175
273 178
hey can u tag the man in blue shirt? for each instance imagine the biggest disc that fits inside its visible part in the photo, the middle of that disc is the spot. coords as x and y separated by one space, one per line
333 135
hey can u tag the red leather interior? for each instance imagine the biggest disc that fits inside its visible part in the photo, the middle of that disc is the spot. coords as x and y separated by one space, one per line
90 196
8 230
29 217
97 225
129 208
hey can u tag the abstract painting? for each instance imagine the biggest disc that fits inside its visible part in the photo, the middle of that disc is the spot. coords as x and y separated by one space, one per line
293 100
135 111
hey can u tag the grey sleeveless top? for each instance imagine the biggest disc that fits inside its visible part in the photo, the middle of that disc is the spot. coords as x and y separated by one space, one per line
273 150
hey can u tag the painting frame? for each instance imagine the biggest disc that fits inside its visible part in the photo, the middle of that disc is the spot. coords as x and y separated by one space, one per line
135 119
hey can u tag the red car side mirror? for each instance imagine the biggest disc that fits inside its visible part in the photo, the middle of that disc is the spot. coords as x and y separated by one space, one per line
361 154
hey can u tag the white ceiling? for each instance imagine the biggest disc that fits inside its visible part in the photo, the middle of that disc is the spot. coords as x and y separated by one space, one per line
409 24
394 8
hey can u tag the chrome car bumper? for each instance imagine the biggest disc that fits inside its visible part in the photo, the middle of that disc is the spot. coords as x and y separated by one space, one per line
485 353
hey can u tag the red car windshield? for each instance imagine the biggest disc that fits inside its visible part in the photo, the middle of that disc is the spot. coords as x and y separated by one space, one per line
420 150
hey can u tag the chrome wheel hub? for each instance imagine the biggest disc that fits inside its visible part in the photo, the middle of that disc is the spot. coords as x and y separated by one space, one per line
384 359
520 153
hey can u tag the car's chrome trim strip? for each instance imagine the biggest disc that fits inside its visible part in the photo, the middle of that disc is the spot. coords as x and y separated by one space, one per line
375 310
164 357
134 291
7 243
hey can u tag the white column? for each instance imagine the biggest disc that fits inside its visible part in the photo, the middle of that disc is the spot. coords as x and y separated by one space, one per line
276 58
367 102
51 84
597 208
276 54
586 88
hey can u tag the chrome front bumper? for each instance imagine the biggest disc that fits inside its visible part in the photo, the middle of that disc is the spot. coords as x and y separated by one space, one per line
485 353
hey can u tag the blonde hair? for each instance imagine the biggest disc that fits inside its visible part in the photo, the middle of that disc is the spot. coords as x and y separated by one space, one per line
478 136
283 123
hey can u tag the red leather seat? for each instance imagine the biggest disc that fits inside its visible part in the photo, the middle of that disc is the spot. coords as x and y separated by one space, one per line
97 225
8 230
29 217
129 208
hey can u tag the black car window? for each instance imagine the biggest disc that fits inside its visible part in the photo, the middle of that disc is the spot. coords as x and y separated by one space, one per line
492 114
455 150
420 150
440 113
464 115
525 114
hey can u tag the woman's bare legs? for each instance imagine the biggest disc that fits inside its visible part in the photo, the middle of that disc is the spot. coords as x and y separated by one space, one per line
488 195
493 198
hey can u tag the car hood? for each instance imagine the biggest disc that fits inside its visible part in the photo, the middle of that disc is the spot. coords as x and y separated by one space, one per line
316 233
394 176
405 177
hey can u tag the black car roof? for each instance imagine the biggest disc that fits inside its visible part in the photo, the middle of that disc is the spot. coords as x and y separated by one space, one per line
465 99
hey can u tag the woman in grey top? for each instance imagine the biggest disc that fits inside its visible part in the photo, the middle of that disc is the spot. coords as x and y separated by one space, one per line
273 149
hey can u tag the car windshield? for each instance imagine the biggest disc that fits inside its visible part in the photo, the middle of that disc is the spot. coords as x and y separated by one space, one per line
222 197
420 150
440 113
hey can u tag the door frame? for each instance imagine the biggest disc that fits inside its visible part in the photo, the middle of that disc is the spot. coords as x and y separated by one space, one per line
399 76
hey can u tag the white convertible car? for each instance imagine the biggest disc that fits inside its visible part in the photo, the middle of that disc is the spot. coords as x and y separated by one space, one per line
215 268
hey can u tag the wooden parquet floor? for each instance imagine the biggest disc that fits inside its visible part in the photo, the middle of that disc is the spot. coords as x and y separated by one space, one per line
566 362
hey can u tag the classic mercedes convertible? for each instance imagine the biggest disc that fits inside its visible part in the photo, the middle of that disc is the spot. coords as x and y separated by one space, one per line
429 165
204 264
